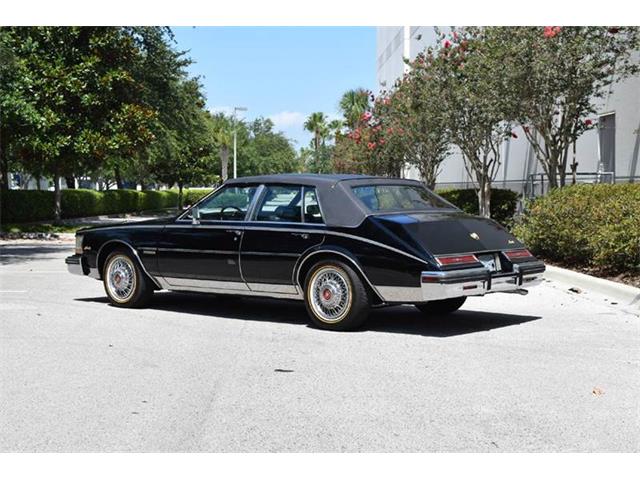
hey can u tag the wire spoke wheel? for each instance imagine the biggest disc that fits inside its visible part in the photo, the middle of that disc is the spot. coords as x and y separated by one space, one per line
121 278
330 294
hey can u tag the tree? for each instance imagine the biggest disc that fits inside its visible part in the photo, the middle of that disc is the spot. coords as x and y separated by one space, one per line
556 76
87 104
474 103
263 151
222 130
316 123
353 104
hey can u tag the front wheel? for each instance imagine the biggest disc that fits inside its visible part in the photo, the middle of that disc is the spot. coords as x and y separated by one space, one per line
125 283
335 297
447 305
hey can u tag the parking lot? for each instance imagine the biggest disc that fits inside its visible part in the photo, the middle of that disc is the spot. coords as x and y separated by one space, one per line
551 371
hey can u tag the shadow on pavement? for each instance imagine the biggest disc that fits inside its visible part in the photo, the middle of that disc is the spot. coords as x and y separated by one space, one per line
20 253
398 319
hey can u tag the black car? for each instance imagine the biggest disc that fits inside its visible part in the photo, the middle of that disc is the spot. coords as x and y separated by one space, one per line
340 243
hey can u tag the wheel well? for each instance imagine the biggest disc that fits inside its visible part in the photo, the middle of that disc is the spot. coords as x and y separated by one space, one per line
312 259
109 248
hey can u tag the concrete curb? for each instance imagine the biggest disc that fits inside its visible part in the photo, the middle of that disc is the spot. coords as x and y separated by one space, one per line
625 294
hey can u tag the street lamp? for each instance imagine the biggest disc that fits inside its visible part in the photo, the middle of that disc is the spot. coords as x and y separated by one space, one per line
235 139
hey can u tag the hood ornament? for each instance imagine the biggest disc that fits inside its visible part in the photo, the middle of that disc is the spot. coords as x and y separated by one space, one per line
474 235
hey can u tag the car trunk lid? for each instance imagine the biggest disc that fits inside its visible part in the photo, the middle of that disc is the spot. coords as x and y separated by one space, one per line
449 233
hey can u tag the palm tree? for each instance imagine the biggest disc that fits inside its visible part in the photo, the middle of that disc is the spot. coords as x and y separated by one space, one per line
335 126
353 104
317 124
223 138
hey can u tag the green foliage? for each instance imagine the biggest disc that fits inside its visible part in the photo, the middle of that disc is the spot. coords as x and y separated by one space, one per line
81 203
503 202
32 205
192 195
26 206
586 225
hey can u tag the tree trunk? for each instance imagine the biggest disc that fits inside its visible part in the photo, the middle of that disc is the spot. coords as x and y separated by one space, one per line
484 197
224 161
116 172
180 195
57 195
4 174
71 181
143 187
38 186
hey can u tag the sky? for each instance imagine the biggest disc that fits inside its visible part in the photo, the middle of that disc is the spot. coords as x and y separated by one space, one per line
283 73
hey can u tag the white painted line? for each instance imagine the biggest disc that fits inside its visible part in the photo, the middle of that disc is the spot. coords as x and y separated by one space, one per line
13 291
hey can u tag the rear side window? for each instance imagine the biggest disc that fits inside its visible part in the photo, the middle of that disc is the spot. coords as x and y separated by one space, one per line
280 203
379 198
312 213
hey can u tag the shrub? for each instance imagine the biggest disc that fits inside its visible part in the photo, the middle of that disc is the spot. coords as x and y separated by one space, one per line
20 206
586 225
192 195
26 205
81 203
157 199
503 202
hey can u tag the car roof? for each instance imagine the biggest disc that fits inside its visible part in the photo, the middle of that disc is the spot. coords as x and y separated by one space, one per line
316 179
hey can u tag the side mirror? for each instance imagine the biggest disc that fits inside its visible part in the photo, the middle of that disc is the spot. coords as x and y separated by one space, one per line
195 216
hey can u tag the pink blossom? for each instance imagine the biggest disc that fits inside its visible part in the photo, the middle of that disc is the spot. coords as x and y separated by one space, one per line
371 145
366 116
588 122
447 44
550 32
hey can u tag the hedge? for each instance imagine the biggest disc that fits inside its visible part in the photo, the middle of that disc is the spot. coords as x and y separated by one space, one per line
33 205
586 225
503 202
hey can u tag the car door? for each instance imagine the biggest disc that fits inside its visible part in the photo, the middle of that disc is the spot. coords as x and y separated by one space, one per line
206 254
277 235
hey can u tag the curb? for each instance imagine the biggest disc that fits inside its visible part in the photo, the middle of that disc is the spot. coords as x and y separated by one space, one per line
626 294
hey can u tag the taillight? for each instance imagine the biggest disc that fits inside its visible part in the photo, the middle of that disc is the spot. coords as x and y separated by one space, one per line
456 260
516 254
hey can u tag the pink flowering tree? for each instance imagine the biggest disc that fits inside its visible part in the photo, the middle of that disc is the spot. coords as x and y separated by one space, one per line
473 104
555 78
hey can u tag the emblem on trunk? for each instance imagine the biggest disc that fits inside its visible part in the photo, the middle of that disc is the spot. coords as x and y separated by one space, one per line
474 235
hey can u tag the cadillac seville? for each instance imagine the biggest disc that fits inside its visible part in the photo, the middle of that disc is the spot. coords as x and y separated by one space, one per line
341 243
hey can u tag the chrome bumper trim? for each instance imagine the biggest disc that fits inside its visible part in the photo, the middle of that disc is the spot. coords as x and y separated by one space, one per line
74 264
438 285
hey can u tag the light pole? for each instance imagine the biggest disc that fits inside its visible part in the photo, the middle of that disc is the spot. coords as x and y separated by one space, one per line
235 139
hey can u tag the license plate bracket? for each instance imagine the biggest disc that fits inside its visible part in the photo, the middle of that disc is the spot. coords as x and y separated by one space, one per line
490 261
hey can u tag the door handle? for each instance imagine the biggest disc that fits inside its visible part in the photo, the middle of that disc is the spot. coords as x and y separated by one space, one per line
304 236
235 232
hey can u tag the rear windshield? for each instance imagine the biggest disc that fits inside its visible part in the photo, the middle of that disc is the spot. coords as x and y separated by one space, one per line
395 198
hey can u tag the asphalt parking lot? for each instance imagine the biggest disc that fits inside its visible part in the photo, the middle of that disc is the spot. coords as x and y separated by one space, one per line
552 371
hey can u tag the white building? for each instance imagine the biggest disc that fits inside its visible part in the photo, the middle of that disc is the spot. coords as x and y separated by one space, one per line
615 144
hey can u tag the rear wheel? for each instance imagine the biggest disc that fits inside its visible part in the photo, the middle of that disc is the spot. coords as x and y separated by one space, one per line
447 305
335 297
125 282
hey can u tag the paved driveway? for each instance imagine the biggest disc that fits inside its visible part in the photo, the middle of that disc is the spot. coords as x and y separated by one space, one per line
550 371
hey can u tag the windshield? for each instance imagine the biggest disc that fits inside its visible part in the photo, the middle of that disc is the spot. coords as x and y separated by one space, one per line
395 198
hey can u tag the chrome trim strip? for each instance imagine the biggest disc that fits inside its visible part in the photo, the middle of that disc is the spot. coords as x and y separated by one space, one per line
273 288
322 232
196 250
212 286
135 253
201 283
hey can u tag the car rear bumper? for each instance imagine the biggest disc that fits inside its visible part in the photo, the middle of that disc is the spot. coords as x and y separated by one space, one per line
438 285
